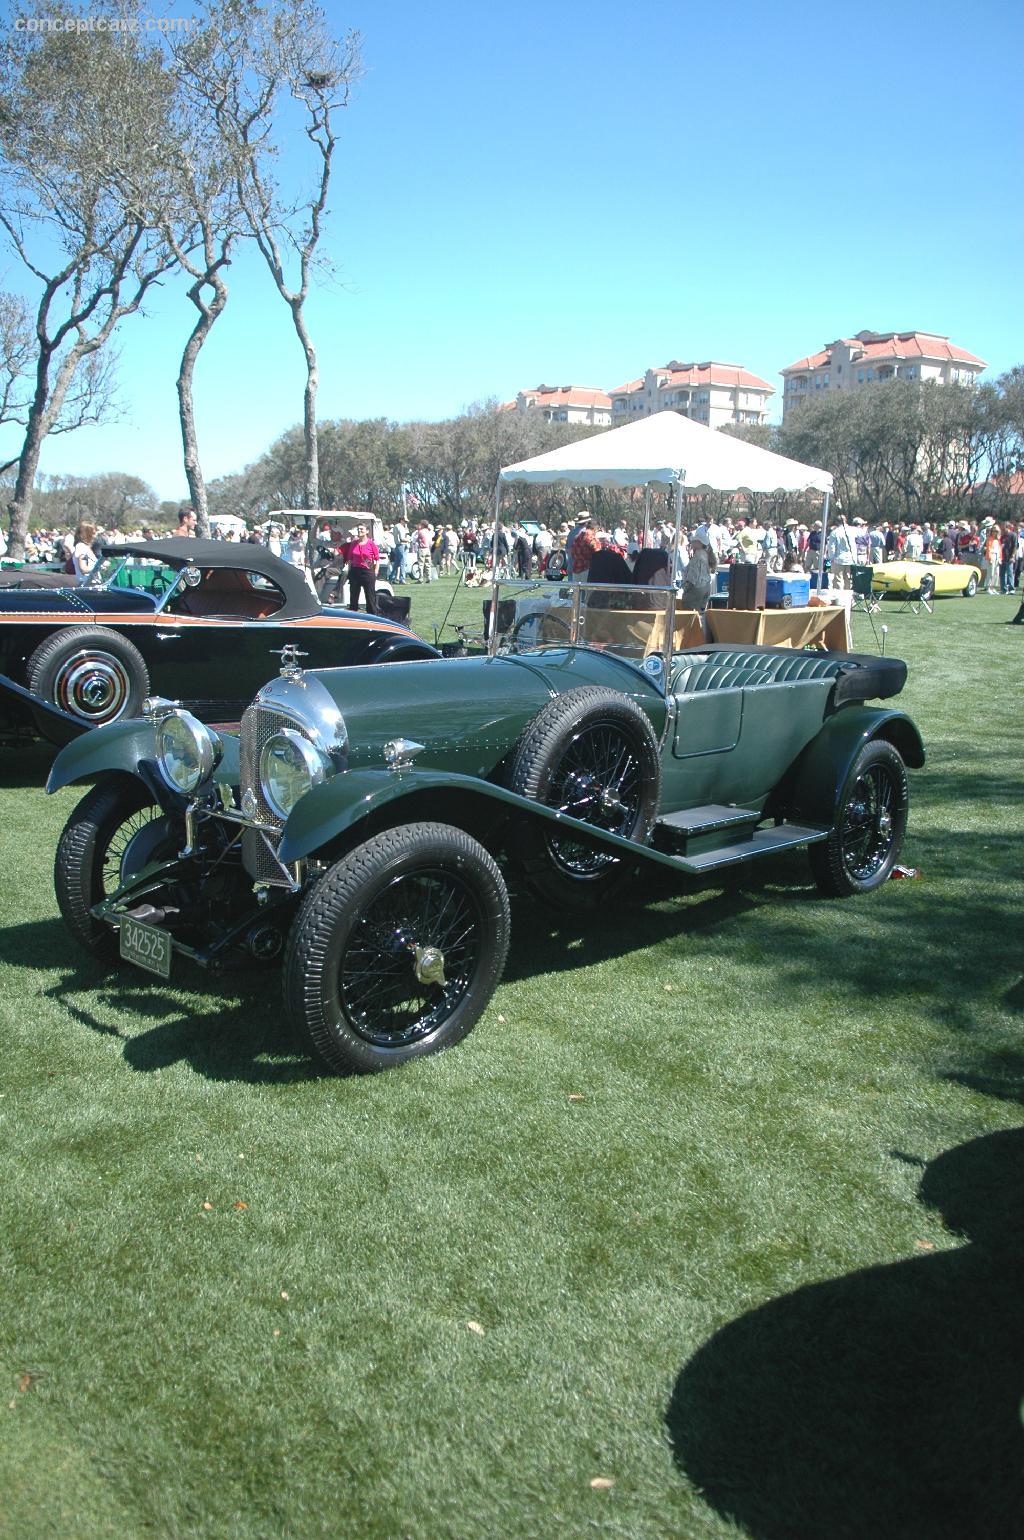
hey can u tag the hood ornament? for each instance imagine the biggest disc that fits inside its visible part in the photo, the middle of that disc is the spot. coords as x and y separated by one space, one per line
290 655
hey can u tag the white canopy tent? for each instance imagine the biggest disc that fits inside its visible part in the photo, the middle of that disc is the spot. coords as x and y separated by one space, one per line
667 450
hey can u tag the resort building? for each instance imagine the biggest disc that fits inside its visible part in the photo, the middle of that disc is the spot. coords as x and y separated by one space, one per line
711 393
870 358
565 403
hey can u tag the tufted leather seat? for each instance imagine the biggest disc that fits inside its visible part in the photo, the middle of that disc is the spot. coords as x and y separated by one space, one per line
717 676
738 669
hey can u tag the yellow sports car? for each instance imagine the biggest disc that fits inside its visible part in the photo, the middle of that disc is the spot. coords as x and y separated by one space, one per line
942 577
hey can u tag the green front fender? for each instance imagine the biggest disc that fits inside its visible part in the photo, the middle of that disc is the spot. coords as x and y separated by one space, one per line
822 772
330 811
120 747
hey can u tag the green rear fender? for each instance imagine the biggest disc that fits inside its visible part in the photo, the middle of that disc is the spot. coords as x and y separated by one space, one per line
823 770
120 747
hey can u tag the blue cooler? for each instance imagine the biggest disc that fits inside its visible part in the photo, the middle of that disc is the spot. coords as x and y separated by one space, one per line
787 590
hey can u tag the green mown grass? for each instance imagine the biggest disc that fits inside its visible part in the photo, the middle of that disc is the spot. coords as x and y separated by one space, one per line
689 1175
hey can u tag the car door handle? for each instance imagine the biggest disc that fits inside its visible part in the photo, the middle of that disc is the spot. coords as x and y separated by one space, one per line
168 636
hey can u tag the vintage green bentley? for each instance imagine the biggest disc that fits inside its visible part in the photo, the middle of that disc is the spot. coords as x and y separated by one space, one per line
363 824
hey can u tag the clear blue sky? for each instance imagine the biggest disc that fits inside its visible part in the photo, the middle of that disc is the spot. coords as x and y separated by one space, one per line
540 192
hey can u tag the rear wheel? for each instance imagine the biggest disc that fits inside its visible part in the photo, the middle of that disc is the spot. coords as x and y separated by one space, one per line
398 949
870 823
112 833
592 755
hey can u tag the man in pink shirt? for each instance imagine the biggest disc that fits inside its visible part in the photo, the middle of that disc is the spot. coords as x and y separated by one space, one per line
362 555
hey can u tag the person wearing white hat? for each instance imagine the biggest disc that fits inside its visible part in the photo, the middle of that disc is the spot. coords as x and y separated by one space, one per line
699 569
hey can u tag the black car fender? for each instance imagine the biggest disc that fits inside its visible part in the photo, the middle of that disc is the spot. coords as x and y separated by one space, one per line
823 768
122 746
359 800
25 708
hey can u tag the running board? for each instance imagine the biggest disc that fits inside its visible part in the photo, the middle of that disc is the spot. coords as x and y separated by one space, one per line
763 842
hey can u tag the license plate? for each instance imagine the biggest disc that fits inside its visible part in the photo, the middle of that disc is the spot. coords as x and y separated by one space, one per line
146 946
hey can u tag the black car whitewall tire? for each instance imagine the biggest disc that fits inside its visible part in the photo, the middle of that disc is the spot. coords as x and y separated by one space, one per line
114 831
397 950
869 825
92 673
592 754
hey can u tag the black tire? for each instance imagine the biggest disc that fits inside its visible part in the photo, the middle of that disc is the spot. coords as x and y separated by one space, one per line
972 587
870 823
93 674
351 984
593 754
114 831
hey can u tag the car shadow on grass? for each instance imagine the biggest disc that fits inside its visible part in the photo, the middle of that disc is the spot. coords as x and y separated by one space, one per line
887 1402
243 1039
234 1027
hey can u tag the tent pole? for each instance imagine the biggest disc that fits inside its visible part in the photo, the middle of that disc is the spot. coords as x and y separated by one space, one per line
647 515
670 618
492 618
821 552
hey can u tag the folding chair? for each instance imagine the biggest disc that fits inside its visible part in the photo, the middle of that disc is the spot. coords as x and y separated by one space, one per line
922 597
866 600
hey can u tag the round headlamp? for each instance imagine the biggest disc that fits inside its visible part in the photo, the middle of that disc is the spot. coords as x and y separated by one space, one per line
289 766
187 752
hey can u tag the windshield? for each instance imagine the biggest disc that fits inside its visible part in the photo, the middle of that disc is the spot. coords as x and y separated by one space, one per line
138 572
629 620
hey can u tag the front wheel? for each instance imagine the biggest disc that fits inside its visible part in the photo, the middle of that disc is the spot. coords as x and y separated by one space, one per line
397 950
112 833
972 587
869 826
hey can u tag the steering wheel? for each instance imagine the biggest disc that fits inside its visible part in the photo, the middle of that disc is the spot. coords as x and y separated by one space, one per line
535 620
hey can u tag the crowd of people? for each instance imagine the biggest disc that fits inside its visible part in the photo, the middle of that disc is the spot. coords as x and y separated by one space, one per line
418 550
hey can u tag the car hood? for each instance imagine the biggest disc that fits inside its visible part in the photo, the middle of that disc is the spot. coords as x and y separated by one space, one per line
469 712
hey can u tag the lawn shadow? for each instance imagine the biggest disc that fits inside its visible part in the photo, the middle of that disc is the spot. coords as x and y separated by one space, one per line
884 1403
245 1038
24 765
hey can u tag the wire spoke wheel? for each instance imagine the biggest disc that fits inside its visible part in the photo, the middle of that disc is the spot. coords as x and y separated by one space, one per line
590 754
384 988
600 782
396 951
869 825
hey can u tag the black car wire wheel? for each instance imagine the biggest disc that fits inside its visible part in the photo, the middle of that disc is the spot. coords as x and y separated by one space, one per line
398 949
869 825
592 755
112 833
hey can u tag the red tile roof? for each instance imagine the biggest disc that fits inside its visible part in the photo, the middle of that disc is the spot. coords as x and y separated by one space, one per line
567 395
709 373
875 346
712 374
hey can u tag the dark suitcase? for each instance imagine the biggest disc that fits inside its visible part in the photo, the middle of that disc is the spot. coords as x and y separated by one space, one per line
747 584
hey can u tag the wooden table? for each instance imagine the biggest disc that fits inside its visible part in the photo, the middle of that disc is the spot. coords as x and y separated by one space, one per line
826 626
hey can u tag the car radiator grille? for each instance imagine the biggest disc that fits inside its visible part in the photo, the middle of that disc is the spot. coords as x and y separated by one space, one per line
258 726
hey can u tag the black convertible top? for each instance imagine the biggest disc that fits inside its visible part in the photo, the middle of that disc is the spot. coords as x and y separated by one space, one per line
234 556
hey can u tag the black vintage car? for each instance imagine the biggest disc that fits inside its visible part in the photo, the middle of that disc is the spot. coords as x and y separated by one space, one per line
196 620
